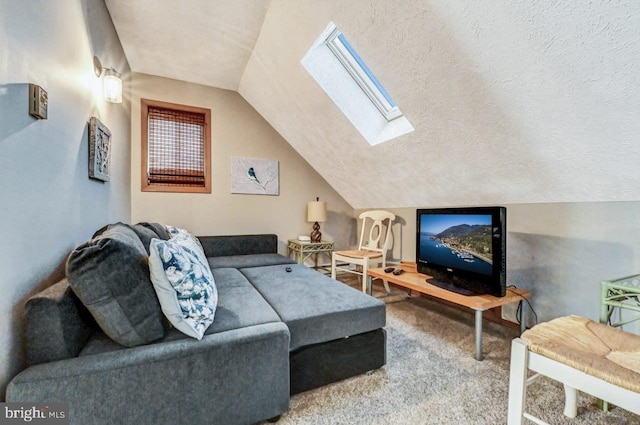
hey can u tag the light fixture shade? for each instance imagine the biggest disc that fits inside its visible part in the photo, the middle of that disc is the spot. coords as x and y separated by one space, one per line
317 211
112 86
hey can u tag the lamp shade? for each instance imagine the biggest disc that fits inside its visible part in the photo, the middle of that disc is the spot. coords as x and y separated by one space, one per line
112 86
317 211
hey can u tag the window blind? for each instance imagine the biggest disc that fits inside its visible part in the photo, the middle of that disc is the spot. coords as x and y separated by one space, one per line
176 147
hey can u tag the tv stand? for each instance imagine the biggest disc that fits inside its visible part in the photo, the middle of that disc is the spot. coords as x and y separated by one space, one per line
418 282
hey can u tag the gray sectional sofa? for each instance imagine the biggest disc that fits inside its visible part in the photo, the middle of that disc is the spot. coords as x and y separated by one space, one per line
280 328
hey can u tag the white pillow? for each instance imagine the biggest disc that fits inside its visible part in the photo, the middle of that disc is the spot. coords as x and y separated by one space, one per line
176 231
184 284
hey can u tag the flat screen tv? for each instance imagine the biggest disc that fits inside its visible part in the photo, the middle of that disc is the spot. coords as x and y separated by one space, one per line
463 249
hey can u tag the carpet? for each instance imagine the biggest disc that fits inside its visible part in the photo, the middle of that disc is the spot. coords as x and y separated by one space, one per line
431 377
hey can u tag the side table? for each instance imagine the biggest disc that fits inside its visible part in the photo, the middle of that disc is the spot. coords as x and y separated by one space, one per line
623 293
303 250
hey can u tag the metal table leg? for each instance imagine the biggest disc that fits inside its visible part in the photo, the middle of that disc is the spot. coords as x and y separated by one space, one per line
478 334
523 318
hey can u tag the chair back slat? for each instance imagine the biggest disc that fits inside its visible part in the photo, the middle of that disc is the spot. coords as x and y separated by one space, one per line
375 221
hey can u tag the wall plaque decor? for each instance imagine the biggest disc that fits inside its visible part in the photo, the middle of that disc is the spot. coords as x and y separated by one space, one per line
254 176
99 150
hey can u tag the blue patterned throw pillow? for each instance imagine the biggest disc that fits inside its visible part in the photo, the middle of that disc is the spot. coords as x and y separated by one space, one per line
183 282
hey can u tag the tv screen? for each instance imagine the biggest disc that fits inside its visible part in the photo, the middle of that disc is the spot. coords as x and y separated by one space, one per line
463 249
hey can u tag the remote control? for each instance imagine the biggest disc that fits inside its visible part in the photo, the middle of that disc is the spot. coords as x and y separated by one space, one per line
388 270
398 272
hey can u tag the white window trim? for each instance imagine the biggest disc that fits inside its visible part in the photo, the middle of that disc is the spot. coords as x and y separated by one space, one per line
388 110
349 96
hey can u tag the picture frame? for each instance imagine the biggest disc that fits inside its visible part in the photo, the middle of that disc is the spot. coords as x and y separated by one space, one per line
99 150
255 176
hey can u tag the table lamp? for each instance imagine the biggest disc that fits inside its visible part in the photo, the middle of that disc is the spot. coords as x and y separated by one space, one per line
316 212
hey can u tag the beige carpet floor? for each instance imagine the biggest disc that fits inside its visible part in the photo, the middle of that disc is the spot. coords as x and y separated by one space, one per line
431 377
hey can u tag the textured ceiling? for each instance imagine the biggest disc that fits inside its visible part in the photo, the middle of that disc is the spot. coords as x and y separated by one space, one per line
202 41
512 101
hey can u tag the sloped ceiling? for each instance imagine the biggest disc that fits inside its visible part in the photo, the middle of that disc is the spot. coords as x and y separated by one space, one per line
512 101
201 41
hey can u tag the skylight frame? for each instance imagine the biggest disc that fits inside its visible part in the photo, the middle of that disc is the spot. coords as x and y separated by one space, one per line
353 101
337 43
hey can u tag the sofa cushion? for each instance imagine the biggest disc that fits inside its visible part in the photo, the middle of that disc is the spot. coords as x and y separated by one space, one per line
184 284
315 307
148 231
110 275
252 260
239 303
57 324
159 229
222 246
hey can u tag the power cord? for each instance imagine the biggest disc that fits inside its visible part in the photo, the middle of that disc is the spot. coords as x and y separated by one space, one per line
519 309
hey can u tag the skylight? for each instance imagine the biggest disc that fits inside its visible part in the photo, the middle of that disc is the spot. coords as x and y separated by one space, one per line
342 73
353 63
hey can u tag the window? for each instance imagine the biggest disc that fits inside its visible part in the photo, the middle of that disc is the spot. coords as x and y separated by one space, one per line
360 72
176 148
338 69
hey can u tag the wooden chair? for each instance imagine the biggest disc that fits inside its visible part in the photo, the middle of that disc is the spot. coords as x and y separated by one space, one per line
582 355
371 250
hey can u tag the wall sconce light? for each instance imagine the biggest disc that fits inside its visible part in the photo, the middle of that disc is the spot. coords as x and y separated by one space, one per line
111 83
316 212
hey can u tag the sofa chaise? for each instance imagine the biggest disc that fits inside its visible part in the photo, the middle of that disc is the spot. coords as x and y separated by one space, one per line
280 328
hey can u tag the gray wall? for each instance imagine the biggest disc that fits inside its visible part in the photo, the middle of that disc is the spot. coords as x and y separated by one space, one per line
560 252
48 205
